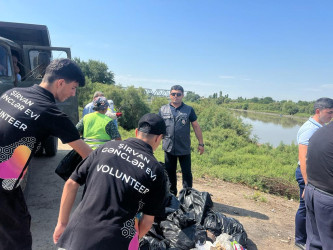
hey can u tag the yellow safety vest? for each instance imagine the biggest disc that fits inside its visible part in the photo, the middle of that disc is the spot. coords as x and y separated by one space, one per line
94 132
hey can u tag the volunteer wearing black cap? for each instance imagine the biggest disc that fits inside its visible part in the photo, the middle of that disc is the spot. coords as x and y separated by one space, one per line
122 179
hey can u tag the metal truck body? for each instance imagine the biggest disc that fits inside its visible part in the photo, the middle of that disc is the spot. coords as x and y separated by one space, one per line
31 44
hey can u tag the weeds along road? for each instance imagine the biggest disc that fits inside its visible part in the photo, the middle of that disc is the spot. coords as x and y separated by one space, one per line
267 219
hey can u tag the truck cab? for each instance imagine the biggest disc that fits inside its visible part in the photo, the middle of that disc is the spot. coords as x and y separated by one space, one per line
30 44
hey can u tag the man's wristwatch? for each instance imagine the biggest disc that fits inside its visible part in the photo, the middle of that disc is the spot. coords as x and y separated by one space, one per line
202 145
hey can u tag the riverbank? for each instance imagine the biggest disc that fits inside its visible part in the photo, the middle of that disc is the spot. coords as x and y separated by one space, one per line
231 155
300 118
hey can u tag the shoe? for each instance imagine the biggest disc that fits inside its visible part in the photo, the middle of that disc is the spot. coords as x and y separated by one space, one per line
300 245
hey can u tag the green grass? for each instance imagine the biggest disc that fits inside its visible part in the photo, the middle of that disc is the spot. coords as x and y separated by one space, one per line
240 161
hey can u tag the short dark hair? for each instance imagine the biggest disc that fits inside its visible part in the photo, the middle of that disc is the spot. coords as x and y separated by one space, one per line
177 87
64 69
145 127
323 103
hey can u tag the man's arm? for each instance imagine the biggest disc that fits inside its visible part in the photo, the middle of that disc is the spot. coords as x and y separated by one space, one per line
302 150
112 130
145 224
79 126
66 204
198 134
81 148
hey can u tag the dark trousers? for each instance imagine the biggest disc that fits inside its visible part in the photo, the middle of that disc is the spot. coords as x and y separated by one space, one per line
171 168
300 218
14 221
319 218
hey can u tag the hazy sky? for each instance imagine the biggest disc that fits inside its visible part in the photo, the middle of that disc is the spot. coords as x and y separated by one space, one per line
282 49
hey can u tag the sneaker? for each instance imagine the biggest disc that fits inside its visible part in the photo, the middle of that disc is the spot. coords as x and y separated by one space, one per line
300 245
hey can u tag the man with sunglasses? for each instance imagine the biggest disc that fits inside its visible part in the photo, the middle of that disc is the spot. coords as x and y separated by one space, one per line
177 142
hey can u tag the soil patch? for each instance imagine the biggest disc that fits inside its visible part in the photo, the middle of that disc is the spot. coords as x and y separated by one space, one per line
267 219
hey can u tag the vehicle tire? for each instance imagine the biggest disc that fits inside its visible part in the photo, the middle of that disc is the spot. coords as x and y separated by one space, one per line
51 146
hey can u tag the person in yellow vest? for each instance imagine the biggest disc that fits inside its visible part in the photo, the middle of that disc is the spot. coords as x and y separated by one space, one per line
97 128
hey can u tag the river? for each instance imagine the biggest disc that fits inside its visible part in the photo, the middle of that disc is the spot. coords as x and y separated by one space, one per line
272 129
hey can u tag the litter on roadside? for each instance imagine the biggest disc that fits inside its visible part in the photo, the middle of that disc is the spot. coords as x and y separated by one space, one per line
191 223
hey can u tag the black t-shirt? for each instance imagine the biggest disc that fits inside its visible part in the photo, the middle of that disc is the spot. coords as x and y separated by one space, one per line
122 179
319 164
27 116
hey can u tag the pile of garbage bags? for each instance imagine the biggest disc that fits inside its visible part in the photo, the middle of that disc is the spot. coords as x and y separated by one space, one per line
191 223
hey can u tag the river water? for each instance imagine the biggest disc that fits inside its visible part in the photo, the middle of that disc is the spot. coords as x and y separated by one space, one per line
271 129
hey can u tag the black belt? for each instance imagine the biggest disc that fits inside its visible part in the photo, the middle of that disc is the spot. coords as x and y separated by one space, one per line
320 190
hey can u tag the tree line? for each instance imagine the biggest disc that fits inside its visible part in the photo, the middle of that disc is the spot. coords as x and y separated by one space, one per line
231 154
132 102
265 104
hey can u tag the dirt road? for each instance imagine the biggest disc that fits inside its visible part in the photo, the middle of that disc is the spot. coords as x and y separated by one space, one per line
268 219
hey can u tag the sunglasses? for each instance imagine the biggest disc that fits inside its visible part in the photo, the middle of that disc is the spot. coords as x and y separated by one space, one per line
176 94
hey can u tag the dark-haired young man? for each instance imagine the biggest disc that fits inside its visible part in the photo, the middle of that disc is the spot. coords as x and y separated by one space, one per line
122 178
27 117
323 109
177 142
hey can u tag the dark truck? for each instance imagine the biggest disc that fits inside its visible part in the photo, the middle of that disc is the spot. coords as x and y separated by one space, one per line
31 44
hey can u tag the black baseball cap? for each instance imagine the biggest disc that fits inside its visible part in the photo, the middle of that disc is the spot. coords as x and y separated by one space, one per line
152 124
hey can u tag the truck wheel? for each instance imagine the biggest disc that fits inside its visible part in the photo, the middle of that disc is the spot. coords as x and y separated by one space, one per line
51 146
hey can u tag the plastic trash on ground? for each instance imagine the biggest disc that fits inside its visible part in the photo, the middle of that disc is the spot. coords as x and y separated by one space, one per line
191 223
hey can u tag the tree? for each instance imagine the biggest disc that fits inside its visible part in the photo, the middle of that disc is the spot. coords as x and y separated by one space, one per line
157 103
191 97
290 108
133 106
254 100
267 100
96 71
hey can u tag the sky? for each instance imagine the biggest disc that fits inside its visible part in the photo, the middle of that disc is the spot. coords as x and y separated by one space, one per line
249 48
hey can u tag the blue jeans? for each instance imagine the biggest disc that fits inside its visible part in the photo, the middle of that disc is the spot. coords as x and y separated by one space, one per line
319 218
300 218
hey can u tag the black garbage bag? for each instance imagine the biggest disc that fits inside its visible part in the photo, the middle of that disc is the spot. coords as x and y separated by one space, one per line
170 231
173 205
156 232
151 243
182 219
219 223
179 238
214 222
200 235
68 164
186 238
198 202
